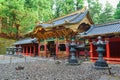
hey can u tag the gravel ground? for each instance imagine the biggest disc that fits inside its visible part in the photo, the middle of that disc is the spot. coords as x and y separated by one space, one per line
48 70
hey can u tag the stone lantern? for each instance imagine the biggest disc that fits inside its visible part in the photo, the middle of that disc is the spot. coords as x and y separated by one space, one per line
10 50
20 50
7 51
72 60
100 63
15 50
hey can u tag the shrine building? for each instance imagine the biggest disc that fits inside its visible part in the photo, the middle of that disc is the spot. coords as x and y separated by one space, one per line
110 32
53 37
29 46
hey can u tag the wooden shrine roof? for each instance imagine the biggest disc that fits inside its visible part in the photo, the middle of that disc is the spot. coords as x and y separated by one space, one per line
63 26
26 41
71 19
104 29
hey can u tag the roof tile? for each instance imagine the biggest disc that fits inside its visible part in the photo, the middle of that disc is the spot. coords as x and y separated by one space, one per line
26 41
102 29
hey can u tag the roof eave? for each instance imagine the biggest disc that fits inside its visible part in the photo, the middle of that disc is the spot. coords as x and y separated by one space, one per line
105 34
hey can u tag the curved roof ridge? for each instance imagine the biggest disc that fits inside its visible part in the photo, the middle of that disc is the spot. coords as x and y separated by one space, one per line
64 20
73 13
79 15
83 14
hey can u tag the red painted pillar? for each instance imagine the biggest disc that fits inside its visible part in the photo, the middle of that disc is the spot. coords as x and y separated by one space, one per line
108 51
91 51
34 51
30 50
67 50
26 50
45 49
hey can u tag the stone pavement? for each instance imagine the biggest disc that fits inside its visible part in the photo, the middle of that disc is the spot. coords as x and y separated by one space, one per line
46 69
16 59
109 77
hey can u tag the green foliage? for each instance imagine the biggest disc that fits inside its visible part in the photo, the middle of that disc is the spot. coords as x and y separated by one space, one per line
20 16
107 14
10 14
117 12
63 7
98 13
95 9
79 4
9 30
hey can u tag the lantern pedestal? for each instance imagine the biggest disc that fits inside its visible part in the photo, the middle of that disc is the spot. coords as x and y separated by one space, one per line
72 60
100 63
